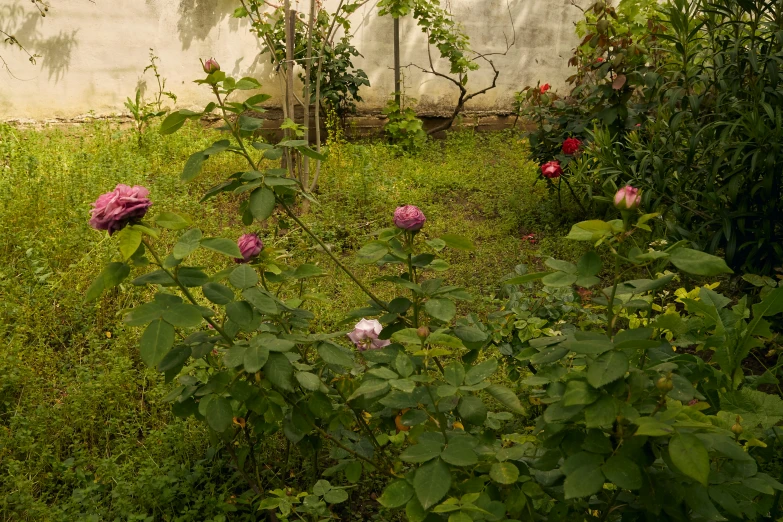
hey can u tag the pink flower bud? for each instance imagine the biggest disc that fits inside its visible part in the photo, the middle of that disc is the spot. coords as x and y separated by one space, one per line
211 66
409 217
627 198
114 210
250 245
551 169
365 335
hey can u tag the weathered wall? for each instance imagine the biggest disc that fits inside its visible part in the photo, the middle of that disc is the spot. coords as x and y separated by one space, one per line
94 52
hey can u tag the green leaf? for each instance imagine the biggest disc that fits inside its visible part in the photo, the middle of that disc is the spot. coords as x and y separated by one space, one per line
559 279
396 494
458 242
260 301
481 371
255 358
336 496
758 409
219 414
156 341
172 221
504 472
607 368
307 270
309 381
336 355
279 371
130 240
454 373
601 413
174 359
217 293
472 410
584 482
579 393
506 397
459 454
652 427
187 244
247 83
589 264
172 123
699 263
223 246
193 166
690 457
372 252
310 153
622 472
590 230
183 315
441 309
144 314
424 451
243 277
111 276
262 203
562 266
431 483
191 276
527 278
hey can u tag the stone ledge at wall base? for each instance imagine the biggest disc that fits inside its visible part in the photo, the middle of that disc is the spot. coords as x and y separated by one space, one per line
363 124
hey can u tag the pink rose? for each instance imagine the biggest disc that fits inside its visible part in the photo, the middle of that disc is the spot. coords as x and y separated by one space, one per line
113 210
365 335
571 146
409 217
250 245
544 88
627 198
551 169
211 66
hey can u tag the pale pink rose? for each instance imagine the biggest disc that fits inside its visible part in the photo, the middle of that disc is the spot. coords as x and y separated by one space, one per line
365 335
551 169
627 198
211 66
114 210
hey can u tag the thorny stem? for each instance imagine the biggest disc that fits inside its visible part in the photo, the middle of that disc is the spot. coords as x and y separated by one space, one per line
609 506
367 429
241 470
610 309
187 293
293 215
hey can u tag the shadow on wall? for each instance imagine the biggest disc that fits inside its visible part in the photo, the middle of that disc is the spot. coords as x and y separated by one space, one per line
55 51
198 17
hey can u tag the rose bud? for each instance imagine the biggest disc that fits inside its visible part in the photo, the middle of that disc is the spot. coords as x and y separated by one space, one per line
544 88
665 384
365 335
423 332
409 217
627 198
211 66
551 169
114 210
571 146
250 245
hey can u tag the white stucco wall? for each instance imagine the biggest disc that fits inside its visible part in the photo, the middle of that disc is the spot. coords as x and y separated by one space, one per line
94 51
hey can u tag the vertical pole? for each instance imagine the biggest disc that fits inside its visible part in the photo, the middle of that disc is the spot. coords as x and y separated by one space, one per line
397 81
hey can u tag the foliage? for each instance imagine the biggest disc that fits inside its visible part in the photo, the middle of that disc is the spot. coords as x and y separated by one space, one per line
425 415
684 96
402 126
332 67
143 112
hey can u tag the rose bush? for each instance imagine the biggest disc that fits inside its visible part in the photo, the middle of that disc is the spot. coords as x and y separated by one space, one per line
414 406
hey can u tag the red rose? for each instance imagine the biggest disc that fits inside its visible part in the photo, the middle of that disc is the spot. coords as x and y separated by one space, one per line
571 146
551 169
599 60
544 88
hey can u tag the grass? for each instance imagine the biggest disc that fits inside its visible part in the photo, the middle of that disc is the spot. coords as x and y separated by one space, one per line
84 434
